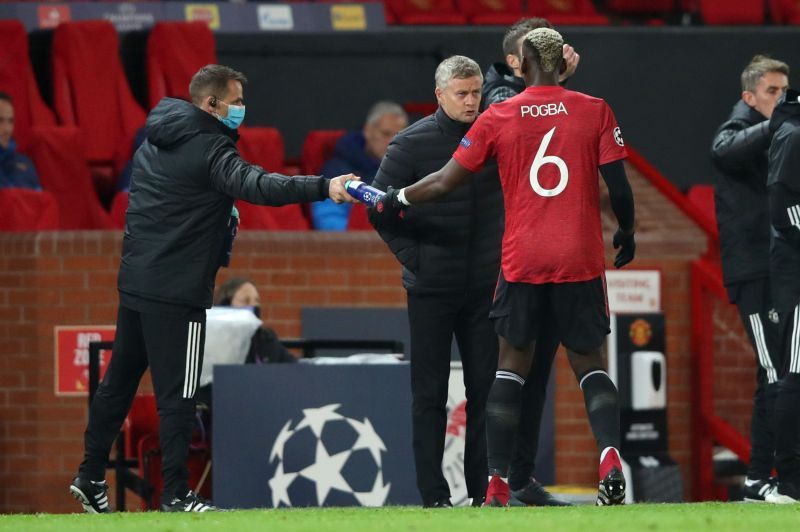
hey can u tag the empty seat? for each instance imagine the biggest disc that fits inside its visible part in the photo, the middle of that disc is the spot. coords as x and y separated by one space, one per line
58 153
633 7
358 220
264 146
17 80
22 209
317 148
90 90
428 12
492 12
785 11
731 12
567 12
175 52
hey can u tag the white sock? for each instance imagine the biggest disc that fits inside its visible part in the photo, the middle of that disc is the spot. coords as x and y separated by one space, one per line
504 479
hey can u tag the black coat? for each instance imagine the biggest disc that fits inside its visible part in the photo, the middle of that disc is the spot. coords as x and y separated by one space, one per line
185 178
499 85
784 184
739 151
452 245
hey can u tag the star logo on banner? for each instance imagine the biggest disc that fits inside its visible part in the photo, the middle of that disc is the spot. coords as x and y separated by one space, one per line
315 418
367 438
326 472
279 484
280 442
377 496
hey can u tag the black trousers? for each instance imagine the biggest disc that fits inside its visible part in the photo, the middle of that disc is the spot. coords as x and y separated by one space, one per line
172 345
434 320
787 405
754 301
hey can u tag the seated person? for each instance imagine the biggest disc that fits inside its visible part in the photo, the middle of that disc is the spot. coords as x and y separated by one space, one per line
16 170
265 347
359 152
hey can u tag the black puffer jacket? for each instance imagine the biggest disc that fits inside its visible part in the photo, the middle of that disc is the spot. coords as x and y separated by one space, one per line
499 85
784 202
185 178
452 245
739 152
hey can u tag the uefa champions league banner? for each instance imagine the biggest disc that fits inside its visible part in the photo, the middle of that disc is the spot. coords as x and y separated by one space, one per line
300 435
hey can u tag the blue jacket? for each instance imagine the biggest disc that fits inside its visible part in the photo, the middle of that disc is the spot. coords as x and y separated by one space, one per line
348 157
16 170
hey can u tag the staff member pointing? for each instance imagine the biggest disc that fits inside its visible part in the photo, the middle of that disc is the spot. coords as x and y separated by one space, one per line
178 230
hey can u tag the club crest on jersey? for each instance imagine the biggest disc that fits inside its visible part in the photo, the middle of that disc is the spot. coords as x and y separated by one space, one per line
618 137
466 142
548 109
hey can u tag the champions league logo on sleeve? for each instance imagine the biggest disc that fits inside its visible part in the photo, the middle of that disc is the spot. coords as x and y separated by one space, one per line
327 459
466 142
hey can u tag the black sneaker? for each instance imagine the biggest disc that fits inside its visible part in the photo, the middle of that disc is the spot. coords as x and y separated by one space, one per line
758 490
92 495
442 503
784 493
611 490
191 503
534 494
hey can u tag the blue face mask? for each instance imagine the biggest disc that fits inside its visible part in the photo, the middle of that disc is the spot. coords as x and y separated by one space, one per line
235 116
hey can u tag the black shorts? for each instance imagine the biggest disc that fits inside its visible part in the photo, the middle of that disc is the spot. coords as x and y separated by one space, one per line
578 311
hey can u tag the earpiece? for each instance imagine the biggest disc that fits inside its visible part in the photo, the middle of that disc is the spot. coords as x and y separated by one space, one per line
213 101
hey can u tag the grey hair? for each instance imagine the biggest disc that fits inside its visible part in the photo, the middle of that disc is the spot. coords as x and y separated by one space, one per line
758 66
212 80
548 44
384 108
456 67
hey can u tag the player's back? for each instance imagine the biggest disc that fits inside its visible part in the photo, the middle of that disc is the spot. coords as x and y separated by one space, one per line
549 142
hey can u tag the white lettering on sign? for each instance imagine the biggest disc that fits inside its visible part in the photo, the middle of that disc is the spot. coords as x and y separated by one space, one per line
82 349
634 290
548 109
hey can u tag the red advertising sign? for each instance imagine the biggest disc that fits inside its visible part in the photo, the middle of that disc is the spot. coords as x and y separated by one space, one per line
72 356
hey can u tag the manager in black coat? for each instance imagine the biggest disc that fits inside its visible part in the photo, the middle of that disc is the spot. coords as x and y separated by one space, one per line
739 151
450 252
178 231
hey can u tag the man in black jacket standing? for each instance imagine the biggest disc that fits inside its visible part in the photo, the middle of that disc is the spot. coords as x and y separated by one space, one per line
784 214
739 151
178 231
450 252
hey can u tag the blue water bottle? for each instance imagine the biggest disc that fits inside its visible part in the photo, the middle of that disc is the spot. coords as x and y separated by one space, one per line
363 192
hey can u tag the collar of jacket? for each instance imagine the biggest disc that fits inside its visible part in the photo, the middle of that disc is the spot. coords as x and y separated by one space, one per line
451 127
788 107
7 153
742 111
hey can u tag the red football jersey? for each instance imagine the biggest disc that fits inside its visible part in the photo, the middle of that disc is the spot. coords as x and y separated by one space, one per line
548 142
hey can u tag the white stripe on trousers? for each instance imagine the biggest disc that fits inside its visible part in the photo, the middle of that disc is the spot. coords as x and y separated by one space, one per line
192 355
794 347
761 348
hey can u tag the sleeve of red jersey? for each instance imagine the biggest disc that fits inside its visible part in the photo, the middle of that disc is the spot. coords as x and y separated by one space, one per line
477 145
612 146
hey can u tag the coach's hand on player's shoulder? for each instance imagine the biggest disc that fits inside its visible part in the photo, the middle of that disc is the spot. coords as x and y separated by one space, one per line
337 191
626 243
570 64
389 206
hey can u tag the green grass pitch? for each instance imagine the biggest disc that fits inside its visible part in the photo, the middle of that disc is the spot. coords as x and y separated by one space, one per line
717 517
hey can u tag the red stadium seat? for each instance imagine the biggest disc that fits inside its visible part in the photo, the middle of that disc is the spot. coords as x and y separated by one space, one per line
732 12
175 51
90 90
22 209
358 220
632 7
58 153
785 11
118 209
702 196
16 80
492 12
427 12
567 12
318 148
264 146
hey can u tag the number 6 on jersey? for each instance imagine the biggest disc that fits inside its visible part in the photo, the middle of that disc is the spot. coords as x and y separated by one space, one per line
540 160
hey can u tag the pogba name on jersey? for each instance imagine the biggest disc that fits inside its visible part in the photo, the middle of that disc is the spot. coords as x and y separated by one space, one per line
548 109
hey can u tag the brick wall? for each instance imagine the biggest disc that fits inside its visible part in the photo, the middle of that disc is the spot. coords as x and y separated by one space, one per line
68 278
